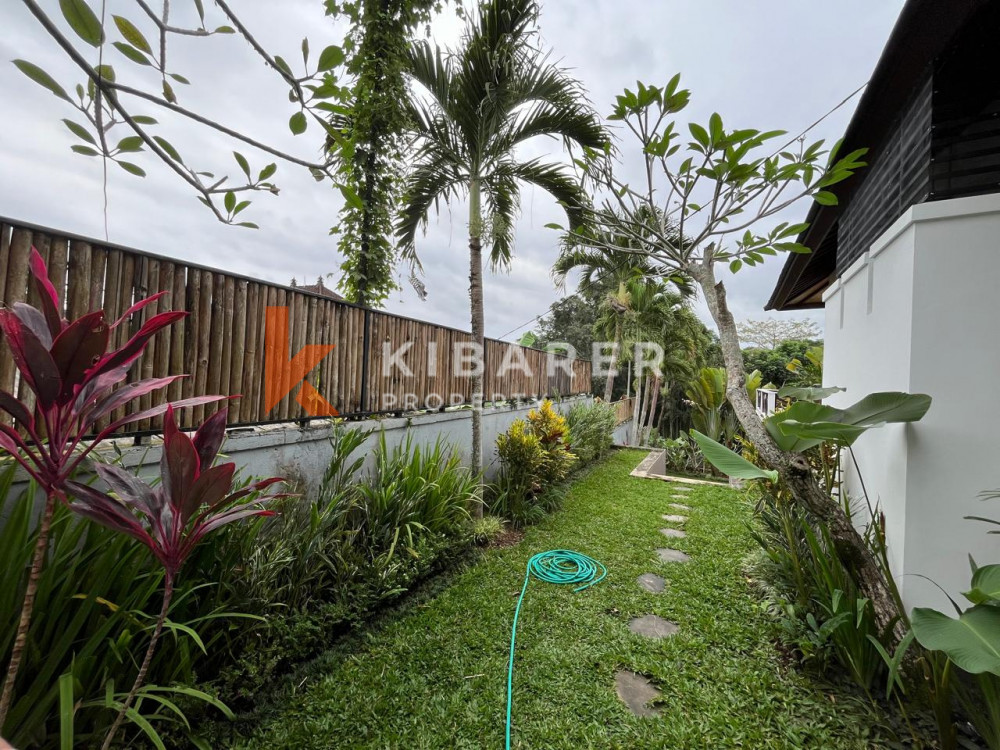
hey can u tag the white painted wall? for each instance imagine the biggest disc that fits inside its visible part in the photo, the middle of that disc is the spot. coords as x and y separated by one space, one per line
303 453
919 313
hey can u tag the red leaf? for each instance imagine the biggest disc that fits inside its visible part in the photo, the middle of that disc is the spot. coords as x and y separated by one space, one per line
137 307
131 490
78 348
51 305
32 359
209 489
156 411
179 465
34 321
107 511
16 409
134 346
208 439
128 392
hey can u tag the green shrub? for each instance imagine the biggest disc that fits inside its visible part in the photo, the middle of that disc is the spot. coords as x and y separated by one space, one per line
261 595
534 455
592 427
487 530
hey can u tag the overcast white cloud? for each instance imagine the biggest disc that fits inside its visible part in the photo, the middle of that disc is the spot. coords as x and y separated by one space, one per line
766 64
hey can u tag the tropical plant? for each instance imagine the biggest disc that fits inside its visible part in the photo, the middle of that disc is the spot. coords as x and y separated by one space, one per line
76 383
613 276
707 394
552 431
470 111
592 427
370 147
487 529
971 643
193 498
717 193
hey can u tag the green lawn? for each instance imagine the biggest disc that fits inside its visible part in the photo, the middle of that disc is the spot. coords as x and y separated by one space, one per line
434 675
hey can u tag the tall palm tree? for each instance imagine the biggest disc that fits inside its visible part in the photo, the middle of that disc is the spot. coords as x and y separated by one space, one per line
470 111
617 272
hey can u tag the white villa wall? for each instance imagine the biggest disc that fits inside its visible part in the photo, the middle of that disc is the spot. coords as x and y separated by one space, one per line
919 313
303 453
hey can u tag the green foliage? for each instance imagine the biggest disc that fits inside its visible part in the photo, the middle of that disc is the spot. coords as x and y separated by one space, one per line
487 530
592 427
423 678
371 140
534 455
773 362
823 616
255 598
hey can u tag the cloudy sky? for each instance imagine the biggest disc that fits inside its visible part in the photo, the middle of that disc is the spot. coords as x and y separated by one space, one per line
765 64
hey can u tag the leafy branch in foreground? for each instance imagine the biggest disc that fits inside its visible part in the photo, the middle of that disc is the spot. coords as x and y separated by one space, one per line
112 129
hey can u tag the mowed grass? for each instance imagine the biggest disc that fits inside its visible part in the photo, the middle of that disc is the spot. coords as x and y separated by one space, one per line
434 675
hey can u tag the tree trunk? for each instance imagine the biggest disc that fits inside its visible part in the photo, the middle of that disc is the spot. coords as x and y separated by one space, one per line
27 605
654 402
636 411
478 335
609 386
140 678
793 468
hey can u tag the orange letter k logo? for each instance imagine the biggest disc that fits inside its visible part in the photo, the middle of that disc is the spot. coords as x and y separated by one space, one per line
281 374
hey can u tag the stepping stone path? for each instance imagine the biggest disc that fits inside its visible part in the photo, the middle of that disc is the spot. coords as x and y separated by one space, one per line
679 506
673 519
652 626
652 583
673 533
636 691
672 555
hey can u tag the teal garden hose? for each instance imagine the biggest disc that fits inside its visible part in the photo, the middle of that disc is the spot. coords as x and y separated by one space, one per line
560 566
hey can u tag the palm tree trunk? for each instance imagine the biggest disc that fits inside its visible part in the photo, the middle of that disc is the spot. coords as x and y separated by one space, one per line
794 469
609 386
27 606
478 335
652 408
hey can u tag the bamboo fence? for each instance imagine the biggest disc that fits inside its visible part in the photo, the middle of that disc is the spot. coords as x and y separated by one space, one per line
222 348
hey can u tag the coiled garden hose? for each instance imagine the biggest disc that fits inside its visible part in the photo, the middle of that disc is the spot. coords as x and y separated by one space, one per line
559 566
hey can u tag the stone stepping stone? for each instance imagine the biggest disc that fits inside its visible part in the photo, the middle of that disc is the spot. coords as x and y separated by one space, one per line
681 489
652 626
636 691
679 506
652 583
673 519
672 555
673 533
678 497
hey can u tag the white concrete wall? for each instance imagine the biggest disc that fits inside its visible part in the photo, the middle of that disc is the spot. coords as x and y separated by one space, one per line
919 313
303 453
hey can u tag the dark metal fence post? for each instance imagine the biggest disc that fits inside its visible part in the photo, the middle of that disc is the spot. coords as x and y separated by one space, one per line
366 357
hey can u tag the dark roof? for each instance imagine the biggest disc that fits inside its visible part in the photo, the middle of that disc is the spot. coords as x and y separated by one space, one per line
319 288
922 32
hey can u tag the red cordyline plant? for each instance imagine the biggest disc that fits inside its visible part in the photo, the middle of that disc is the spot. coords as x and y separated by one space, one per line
193 498
77 384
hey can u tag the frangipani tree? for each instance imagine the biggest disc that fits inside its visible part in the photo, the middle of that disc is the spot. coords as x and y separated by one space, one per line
717 192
